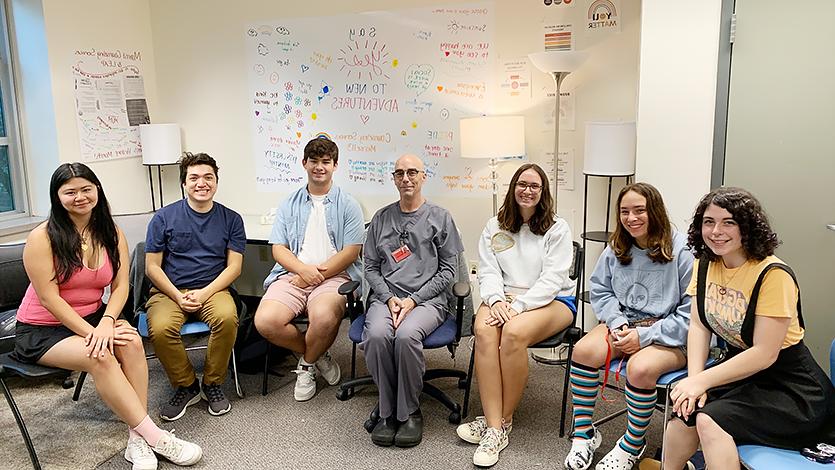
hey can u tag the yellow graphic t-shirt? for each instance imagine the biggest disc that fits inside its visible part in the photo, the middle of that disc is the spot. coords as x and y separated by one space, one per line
729 291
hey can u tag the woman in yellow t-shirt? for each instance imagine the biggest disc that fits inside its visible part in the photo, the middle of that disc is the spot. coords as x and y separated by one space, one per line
769 390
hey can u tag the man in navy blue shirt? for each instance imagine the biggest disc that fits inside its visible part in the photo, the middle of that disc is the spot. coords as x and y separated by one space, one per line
193 252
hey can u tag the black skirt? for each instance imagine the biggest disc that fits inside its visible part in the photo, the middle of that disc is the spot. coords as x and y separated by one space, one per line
790 405
31 342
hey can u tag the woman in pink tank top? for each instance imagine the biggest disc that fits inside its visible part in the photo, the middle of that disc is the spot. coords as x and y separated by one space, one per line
62 321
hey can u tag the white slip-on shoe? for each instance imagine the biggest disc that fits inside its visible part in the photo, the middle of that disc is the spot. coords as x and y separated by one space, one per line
582 452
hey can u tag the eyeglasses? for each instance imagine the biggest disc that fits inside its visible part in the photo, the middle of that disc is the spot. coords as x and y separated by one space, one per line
411 173
534 187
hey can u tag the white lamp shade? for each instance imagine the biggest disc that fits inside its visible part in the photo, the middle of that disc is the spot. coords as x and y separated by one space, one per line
492 136
558 61
610 149
160 143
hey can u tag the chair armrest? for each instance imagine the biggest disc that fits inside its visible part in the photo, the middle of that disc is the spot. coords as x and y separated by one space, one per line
573 334
461 289
348 287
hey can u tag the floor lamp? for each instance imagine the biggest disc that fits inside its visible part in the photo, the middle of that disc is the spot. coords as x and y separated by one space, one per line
558 64
492 137
161 145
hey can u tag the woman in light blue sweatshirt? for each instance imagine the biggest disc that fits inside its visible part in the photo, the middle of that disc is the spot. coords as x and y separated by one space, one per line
638 291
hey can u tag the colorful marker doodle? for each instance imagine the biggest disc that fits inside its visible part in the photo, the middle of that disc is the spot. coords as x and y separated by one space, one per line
384 84
419 77
364 59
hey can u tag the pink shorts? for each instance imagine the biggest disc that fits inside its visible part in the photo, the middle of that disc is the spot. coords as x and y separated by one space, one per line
297 298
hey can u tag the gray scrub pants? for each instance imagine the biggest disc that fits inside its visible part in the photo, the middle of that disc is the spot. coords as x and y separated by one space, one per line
395 357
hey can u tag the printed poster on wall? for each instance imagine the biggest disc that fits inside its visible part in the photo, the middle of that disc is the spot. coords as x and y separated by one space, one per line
379 84
110 103
603 15
565 167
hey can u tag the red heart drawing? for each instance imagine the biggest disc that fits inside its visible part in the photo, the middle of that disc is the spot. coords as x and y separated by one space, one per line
446 53
257 113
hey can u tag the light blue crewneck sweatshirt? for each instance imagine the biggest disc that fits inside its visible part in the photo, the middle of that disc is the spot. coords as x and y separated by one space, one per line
643 290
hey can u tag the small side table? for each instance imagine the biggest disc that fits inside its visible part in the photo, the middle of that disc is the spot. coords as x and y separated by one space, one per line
159 181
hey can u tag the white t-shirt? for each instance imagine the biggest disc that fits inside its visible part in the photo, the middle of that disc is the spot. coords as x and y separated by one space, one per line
317 247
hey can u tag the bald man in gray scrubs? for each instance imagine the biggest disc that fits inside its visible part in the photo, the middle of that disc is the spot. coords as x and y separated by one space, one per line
410 256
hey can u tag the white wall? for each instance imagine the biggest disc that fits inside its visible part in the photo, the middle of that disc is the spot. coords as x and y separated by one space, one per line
85 24
194 68
202 85
677 100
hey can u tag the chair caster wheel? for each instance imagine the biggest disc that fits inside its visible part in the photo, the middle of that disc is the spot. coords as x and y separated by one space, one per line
462 383
68 383
343 394
455 417
370 423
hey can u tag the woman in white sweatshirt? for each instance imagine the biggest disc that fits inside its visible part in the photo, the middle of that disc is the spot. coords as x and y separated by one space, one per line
525 255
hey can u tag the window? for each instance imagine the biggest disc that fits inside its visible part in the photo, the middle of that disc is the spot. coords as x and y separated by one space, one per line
12 182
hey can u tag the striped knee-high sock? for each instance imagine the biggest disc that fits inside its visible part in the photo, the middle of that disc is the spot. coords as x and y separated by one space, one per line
639 405
584 382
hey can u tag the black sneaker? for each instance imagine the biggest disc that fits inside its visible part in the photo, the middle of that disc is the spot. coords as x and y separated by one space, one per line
218 404
182 399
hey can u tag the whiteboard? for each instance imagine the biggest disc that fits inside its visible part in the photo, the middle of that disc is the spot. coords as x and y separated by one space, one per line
379 84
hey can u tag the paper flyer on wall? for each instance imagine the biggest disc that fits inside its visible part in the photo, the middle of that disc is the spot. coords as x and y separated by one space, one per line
110 103
565 177
567 113
516 78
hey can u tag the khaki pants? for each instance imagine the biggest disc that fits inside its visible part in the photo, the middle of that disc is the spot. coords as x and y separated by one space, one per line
164 322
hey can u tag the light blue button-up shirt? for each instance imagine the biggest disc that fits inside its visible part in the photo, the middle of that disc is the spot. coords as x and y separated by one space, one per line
343 217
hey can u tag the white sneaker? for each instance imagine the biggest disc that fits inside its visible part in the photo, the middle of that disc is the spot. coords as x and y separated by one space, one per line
139 453
493 442
473 431
329 369
619 459
582 452
305 382
178 451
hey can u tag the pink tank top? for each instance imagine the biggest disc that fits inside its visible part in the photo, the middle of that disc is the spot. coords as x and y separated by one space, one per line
83 291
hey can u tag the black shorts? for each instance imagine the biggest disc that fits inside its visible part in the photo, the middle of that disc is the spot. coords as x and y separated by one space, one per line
31 342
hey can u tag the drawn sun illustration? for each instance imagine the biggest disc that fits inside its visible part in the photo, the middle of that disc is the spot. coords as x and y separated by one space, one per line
642 288
364 58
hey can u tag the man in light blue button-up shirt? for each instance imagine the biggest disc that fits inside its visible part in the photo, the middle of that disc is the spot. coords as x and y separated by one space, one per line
316 241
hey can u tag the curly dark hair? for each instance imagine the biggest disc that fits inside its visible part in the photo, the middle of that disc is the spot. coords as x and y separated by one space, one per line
758 239
319 147
193 159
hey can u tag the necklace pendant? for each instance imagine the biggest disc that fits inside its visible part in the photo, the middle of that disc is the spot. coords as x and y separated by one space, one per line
84 246
722 290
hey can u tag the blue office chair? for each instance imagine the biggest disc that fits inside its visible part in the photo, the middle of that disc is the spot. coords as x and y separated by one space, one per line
14 280
140 287
447 335
770 458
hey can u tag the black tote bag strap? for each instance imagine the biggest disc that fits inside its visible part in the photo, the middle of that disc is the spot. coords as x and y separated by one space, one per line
701 289
747 332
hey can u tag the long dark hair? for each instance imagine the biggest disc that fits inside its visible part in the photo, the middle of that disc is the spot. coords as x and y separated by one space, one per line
659 230
63 236
510 218
758 239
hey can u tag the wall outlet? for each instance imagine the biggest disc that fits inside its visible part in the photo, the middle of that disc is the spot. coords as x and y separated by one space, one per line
472 266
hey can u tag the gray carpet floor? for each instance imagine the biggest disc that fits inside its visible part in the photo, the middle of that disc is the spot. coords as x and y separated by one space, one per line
275 432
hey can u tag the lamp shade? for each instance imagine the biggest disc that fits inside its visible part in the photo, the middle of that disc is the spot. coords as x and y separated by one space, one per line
558 61
492 136
610 149
160 143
